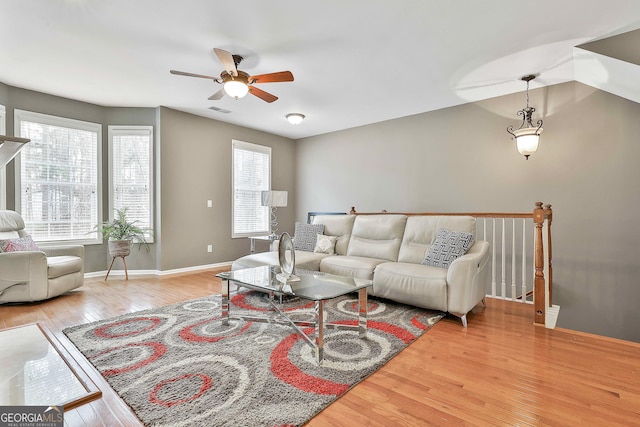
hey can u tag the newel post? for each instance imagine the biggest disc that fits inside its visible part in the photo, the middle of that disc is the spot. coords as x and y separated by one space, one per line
548 213
539 286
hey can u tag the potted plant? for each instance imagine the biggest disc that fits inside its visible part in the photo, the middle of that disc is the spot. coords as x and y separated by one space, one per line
120 232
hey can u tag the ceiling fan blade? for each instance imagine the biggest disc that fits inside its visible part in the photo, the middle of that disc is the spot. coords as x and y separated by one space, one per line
282 76
182 73
227 61
265 96
218 95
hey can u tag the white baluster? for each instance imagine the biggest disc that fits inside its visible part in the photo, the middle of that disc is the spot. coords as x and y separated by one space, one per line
524 260
513 259
504 264
493 261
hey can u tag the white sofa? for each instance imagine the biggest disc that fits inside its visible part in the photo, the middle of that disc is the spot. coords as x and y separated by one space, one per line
389 249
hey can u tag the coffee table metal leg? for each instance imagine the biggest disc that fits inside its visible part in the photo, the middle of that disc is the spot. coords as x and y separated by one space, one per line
319 320
362 312
225 301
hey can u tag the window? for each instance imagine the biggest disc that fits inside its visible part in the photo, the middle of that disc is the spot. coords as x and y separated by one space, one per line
130 173
251 176
58 189
3 171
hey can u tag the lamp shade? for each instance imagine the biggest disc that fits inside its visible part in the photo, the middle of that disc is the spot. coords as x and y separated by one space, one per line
236 88
10 147
275 198
527 140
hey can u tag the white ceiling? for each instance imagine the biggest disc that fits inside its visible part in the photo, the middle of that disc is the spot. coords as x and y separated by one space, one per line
355 61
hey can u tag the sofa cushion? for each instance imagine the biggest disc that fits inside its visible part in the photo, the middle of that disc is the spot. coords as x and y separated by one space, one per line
414 284
350 266
304 260
305 236
337 225
9 234
10 221
62 265
325 244
421 231
377 236
448 246
20 244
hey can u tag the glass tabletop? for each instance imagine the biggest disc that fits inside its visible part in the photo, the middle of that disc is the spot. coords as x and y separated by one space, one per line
35 373
313 285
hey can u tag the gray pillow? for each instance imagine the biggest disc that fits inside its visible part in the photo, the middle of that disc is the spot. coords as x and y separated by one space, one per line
448 246
305 236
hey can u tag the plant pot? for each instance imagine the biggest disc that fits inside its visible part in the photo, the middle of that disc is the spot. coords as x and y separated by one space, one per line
119 248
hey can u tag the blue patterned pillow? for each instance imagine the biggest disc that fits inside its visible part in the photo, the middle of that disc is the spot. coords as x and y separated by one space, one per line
305 236
448 246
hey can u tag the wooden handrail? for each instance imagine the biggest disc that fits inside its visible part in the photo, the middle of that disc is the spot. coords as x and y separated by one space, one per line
541 214
473 214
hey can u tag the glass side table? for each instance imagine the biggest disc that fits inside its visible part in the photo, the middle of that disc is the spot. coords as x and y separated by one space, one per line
270 238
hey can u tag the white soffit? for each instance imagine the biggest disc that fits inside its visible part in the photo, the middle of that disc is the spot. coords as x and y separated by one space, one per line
606 73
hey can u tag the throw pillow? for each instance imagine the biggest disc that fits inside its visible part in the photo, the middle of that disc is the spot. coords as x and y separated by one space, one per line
325 244
305 236
20 244
448 246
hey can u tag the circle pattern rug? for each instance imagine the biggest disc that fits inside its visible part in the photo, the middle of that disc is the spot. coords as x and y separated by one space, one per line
179 366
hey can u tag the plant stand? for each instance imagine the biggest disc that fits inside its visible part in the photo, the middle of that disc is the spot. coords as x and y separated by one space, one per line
119 249
126 273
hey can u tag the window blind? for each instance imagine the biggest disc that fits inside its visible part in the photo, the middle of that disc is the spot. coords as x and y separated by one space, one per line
251 176
131 173
59 175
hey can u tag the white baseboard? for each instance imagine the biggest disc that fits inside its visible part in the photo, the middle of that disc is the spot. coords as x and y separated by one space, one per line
158 273
551 316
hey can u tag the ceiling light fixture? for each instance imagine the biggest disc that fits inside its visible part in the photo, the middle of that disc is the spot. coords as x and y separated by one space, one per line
527 138
236 88
295 118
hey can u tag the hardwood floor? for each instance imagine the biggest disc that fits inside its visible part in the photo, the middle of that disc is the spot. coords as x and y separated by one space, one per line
501 370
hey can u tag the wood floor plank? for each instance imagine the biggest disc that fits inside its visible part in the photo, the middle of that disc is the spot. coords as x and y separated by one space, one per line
501 370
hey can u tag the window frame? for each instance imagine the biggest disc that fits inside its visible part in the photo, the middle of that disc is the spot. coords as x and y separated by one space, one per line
248 146
134 130
31 116
3 172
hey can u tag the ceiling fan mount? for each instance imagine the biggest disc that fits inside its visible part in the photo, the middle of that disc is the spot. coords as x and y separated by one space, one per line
237 83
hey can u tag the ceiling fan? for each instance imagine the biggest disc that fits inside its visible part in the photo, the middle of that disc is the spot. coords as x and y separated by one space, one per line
237 83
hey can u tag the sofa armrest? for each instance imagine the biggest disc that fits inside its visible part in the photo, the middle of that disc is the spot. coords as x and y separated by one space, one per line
28 268
62 250
468 279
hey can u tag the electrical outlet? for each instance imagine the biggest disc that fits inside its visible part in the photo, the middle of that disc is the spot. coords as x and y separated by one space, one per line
209 203
209 248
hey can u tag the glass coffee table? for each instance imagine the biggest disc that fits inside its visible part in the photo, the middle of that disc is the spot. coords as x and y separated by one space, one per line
313 285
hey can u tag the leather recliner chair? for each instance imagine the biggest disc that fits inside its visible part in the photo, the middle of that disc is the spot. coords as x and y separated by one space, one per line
28 276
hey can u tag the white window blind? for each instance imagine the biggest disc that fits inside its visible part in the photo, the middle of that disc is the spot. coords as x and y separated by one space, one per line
251 176
131 166
58 178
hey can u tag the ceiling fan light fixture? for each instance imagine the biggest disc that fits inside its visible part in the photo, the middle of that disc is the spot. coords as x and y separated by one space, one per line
295 118
236 89
527 135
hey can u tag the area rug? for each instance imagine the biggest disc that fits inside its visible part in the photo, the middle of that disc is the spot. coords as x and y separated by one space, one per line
179 366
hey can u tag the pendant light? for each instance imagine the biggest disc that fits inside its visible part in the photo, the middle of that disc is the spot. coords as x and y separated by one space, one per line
527 135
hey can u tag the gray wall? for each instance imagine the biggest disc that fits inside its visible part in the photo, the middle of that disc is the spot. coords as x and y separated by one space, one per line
461 159
195 164
192 165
